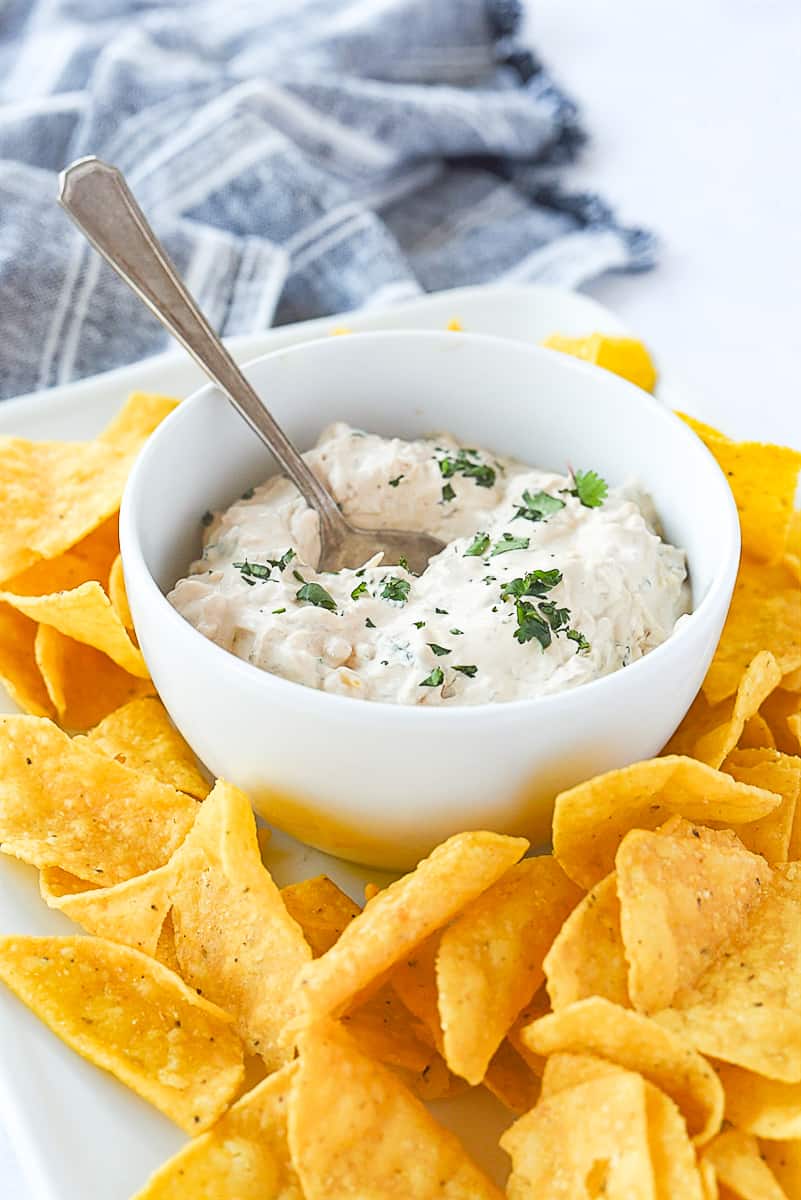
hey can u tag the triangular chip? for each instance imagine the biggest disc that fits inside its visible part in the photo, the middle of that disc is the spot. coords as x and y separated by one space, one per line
117 593
784 1160
234 939
141 413
321 909
63 806
141 736
770 836
132 912
83 684
765 1107
415 981
403 915
740 1168
756 734
782 711
128 1014
490 959
592 818
91 558
356 1132
244 1157
587 956
681 898
510 1079
19 673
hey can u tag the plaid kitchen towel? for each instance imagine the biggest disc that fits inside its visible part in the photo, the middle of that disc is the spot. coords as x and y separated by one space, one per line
298 157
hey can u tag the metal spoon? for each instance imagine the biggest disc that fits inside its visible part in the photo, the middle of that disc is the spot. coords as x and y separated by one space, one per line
101 204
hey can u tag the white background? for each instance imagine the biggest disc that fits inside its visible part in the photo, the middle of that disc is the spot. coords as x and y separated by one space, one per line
695 111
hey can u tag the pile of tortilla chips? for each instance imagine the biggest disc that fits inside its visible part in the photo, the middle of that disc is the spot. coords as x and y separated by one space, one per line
633 998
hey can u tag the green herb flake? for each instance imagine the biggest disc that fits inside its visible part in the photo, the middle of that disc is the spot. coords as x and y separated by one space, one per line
470 670
535 583
207 519
448 493
283 562
419 624
277 611
590 488
403 562
509 542
394 482
538 506
370 624
313 593
457 632
297 575
248 495
462 463
396 589
478 546
582 645
359 573
443 612
438 650
359 590
435 679
531 626
253 573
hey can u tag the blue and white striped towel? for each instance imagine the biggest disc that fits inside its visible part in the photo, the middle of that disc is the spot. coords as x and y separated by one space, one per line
298 157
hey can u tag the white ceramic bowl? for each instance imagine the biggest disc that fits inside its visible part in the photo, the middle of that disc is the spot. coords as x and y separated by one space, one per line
382 783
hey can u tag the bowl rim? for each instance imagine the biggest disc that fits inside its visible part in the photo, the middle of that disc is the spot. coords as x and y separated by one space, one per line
299 695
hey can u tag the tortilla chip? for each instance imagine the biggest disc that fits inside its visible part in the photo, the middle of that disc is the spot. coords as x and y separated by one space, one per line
746 1007
587 956
490 959
782 711
244 1157
672 1153
63 806
710 733
321 909
128 1014
681 897
511 1080
132 912
234 939
117 594
403 915
599 1028
165 950
740 1167
536 1008
19 673
770 836
384 1029
86 615
763 480
784 1160
55 883
765 1107
415 981
83 684
571 1070
364 1106
591 819
756 734
765 614
141 736
141 413
91 558
570 1146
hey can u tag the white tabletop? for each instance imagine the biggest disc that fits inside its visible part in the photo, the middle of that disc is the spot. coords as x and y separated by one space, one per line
695 115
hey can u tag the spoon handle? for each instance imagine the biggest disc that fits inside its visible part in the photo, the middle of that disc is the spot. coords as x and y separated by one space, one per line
101 204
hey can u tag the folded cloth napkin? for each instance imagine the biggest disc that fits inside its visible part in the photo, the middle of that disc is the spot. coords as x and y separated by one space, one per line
298 157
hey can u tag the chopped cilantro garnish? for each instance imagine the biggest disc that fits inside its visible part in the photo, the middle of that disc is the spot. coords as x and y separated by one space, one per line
359 573
252 572
312 593
443 612
434 679
530 625
359 590
538 506
462 464
457 632
488 579
448 493
419 624
438 650
508 542
574 636
370 624
403 562
276 611
590 488
478 546
470 671
396 589
535 583
207 518
248 495
394 482
297 575
283 562
557 618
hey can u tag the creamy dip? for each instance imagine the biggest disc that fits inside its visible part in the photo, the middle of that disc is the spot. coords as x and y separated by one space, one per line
547 580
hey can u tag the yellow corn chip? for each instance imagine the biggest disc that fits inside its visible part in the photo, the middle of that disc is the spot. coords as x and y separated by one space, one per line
490 959
587 956
765 614
782 711
132 912
91 558
127 1013
245 1156
63 806
234 939
165 950
766 1107
746 1007
511 1080
403 915
382 1028
756 734
415 981
141 736
117 594
591 819
599 1028
710 733
569 1145
535 1009
784 1160
83 684
55 883
141 413
625 356
763 479
19 673
740 1167
362 1105
86 615
321 909
564 1070
681 898
791 682
770 836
